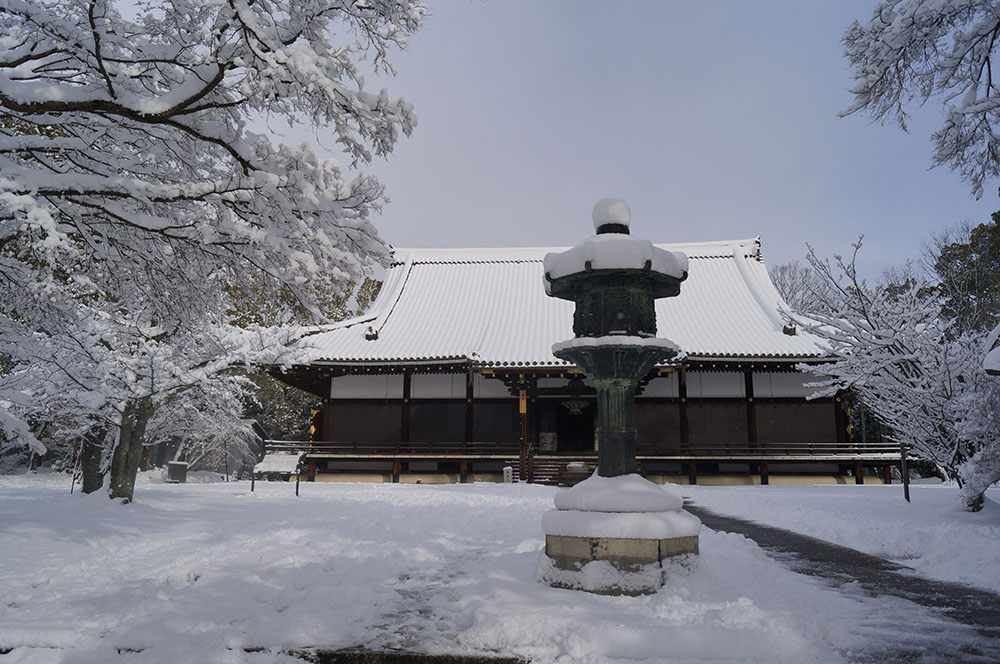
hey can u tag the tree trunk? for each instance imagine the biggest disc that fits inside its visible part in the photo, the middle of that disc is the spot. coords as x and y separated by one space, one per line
973 500
90 459
147 458
128 452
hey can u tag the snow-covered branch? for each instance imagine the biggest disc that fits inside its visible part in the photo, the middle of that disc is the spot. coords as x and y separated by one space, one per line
913 50
891 344
134 200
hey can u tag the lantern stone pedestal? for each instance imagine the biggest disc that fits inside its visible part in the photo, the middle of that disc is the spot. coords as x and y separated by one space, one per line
611 533
611 536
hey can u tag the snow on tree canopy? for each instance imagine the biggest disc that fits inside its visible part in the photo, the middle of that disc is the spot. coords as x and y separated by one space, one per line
142 221
613 251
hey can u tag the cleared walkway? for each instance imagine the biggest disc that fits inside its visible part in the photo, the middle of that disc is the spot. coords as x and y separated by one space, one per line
958 607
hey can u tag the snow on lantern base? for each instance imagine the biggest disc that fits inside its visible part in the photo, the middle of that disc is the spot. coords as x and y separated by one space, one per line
610 536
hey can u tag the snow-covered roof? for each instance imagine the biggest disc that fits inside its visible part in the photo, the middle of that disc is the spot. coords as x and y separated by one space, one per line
991 363
489 306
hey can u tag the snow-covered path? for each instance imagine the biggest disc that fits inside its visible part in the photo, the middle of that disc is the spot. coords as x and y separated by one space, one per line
933 534
202 572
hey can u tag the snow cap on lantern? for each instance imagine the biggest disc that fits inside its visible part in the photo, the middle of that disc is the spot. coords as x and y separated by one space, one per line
611 212
613 248
613 276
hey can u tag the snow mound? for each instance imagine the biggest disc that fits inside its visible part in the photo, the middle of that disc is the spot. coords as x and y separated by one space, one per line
600 575
620 525
611 211
625 493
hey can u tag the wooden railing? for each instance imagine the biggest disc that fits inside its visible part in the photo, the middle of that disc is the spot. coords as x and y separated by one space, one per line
808 451
548 467
354 449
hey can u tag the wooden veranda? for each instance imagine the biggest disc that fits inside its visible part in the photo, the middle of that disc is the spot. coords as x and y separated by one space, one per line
551 467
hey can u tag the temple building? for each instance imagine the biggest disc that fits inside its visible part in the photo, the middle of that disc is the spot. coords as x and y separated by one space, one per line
451 375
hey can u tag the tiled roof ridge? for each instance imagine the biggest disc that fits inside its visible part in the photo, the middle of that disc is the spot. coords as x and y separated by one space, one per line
459 255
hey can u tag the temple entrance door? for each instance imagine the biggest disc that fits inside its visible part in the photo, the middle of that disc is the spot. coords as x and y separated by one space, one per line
575 422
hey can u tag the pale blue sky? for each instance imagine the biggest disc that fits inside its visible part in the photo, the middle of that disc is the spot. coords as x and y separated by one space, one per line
714 120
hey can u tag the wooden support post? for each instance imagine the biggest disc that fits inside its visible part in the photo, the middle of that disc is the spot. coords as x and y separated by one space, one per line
692 472
859 473
841 420
764 479
469 417
904 471
396 467
463 471
312 471
404 425
685 433
886 474
751 410
522 409
317 421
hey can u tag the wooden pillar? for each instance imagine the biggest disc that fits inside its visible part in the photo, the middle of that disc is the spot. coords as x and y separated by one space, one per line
751 409
328 418
317 422
396 467
859 473
522 409
469 417
312 471
463 471
533 419
682 391
404 424
840 419
685 432
886 474
752 439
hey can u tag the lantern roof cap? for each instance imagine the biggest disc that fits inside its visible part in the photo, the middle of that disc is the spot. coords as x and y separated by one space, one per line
614 251
613 248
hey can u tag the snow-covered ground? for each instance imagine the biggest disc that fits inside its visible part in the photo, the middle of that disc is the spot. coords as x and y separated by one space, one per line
204 572
931 534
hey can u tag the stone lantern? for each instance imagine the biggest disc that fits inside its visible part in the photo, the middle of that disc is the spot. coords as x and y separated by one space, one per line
614 279
611 533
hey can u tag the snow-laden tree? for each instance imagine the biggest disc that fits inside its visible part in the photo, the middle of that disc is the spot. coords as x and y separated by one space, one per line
797 285
135 196
891 345
189 420
965 261
105 376
911 51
